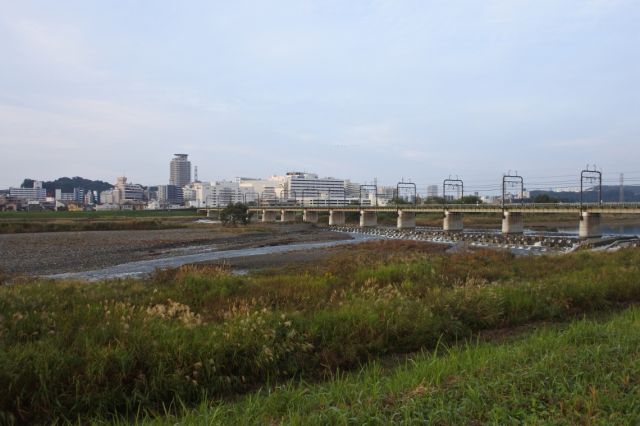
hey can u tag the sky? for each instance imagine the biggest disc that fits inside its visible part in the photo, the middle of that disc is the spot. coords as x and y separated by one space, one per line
362 89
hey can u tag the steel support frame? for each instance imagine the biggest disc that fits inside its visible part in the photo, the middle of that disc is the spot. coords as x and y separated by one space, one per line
407 185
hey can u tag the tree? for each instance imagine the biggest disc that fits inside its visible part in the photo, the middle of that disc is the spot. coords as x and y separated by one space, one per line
67 184
470 199
544 198
27 183
399 200
236 213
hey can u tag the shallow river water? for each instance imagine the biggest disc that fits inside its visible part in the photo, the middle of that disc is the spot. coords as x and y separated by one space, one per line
144 267
474 238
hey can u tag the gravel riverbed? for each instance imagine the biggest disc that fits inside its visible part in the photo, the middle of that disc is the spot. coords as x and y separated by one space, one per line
59 252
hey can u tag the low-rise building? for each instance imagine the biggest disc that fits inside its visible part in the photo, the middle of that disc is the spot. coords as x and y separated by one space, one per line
170 194
123 192
37 193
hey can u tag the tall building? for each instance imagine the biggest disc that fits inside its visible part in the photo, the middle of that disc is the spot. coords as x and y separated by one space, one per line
432 191
180 170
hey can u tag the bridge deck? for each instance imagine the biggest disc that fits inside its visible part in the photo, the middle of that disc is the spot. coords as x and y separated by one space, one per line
605 208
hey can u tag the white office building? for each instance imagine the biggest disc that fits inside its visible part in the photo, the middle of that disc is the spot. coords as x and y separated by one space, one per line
37 193
309 189
220 194
122 193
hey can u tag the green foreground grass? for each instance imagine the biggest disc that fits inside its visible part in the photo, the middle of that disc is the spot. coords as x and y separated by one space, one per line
586 373
72 351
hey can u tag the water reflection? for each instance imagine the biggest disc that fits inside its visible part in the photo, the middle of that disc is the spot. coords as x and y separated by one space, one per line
610 230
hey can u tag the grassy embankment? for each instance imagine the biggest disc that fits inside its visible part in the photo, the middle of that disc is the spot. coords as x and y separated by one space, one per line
69 350
17 222
584 373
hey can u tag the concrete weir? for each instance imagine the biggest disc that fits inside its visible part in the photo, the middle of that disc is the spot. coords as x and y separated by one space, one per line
512 223
310 216
336 217
268 216
453 221
287 216
406 219
589 225
368 218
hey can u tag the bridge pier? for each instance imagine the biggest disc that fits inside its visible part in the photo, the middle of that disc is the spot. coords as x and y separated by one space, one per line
406 219
512 223
336 217
287 216
368 218
590 225
268 216
453 221
310 216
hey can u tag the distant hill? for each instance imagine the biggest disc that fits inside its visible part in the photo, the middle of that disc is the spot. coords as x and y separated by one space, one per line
68 184
610 194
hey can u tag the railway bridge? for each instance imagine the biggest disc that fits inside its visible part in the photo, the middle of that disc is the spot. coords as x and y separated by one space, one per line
589 215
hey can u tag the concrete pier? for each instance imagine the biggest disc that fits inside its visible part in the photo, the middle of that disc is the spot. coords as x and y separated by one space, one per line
310 216
590 225
512 223
453 221
287 216
336 217
406 219
268 216
368 218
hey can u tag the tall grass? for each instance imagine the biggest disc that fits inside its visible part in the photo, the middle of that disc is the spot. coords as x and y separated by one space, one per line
71 349
586 373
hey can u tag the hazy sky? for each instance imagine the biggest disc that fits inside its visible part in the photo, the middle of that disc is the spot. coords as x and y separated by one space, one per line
361 89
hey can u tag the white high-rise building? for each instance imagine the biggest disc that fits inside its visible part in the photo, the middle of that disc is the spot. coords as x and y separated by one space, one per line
432 191
180 170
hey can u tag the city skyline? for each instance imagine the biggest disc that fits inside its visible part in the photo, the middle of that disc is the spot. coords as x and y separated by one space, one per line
419 90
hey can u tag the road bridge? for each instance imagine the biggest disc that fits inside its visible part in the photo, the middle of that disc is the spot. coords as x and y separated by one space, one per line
589 214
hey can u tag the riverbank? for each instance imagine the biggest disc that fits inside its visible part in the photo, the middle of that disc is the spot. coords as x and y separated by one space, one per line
199 335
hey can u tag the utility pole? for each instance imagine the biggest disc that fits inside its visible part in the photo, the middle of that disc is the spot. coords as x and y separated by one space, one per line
622 187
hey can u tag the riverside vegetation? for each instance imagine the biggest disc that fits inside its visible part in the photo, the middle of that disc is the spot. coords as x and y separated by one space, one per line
200 342
62 221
